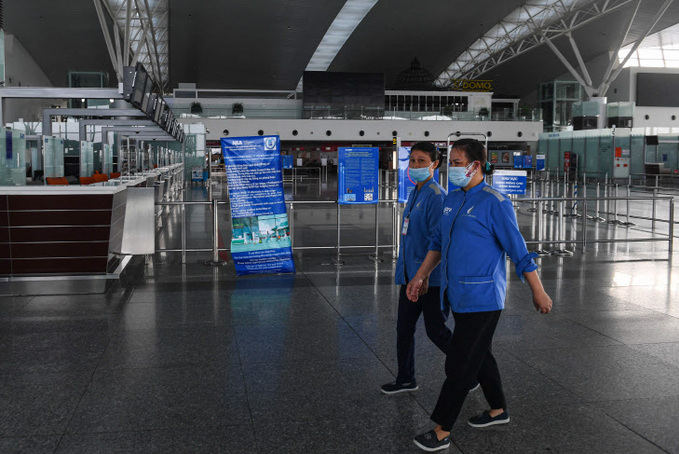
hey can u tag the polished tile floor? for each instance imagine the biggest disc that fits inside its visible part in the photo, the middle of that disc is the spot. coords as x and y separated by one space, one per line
187 358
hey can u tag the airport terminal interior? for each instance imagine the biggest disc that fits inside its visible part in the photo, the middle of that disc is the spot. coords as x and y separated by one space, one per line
142 312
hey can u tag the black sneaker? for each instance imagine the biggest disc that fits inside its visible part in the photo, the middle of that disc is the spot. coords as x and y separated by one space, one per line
485 420
430 442
396 387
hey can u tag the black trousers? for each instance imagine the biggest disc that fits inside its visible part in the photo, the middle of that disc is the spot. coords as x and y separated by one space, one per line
409 312
469 359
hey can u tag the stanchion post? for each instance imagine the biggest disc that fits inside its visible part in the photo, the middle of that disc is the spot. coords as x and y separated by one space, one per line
183 233
338 261
376 256
291 224
671 232
215 237
562 251
653 209
584 226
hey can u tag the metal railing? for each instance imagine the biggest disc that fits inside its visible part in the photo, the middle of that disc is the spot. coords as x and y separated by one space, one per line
543 206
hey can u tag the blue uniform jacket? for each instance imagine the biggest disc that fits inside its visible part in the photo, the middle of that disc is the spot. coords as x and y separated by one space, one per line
424 212
477 229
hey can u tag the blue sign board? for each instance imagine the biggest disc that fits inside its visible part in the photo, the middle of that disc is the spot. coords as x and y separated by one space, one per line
510 181
287 161
8 145
405 183
358 175
540 162
260 234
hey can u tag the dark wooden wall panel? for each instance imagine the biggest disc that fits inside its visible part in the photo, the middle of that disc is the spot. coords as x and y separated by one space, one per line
59 266
5 266
59 218
60 202
5 251
56 234
30 250
48 234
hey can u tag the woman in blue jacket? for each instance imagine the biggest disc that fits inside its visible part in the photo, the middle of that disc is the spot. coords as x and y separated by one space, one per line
478 229
420 218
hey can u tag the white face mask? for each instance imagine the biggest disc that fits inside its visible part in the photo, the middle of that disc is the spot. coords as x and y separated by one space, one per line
420 174
460 176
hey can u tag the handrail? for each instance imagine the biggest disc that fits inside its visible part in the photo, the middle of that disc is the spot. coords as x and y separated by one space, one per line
561 241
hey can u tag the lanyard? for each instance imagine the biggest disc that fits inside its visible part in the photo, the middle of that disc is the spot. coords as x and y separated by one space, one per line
450 232
417 192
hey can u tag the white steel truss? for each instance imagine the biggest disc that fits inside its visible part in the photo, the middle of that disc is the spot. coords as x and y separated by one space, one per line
139 33
532 24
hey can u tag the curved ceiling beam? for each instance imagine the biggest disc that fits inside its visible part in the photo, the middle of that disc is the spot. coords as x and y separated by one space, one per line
525 28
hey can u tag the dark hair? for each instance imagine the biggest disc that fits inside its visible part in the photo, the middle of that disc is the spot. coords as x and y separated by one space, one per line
430 149
475 151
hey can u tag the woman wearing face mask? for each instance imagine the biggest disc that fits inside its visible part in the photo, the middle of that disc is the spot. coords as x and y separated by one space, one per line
478 229
420 217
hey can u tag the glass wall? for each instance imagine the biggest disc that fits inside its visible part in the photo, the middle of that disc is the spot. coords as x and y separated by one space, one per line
12 158
53 152
86 158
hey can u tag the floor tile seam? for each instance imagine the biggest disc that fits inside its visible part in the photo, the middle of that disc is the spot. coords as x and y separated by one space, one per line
245 384
379 359
159 430
593 330
621 423
84 392
546 377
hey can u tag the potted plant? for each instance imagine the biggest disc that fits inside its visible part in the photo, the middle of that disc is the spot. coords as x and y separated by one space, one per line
483 112
196 108
237 108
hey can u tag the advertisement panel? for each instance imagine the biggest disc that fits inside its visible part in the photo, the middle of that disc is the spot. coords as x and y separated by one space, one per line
260 233
358 175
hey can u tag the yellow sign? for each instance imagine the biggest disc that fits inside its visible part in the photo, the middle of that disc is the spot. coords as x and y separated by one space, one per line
471 85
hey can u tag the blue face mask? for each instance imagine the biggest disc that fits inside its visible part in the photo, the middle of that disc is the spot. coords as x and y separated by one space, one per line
460 176
419 174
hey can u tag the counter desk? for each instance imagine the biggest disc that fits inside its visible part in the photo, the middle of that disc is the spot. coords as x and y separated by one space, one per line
55 236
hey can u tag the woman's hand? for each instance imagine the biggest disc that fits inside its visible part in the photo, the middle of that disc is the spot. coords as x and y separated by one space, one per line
542 302
416 286
425 287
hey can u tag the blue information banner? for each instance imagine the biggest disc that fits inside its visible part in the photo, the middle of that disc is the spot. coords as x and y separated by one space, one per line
260 231
358 175
510 181
288 161
8 145
405 183
540 162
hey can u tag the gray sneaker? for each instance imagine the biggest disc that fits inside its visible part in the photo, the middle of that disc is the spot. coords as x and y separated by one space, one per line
396 387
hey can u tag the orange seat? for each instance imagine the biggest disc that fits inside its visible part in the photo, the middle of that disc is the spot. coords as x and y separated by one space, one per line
56 181
99 177
115 175
87 180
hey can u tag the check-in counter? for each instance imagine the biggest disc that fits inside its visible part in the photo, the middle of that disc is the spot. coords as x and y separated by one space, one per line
73 230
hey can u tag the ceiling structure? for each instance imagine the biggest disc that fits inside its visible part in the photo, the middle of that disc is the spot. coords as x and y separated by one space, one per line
259 44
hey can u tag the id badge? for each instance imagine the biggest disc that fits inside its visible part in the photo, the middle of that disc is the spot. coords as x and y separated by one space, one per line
406 221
